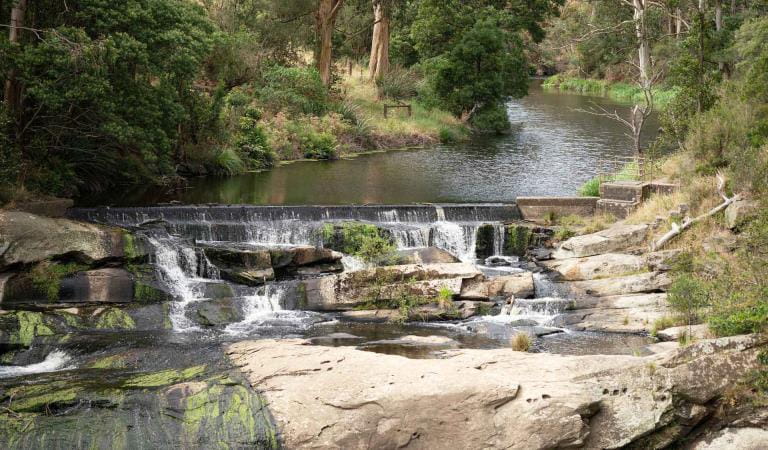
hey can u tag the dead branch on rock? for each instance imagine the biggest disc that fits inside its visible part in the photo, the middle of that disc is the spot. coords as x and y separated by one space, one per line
688 222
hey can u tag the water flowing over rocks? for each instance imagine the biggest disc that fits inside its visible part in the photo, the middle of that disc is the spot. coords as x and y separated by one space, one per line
324 397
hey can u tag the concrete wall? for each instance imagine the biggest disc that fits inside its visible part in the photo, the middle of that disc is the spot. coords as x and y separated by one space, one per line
537 208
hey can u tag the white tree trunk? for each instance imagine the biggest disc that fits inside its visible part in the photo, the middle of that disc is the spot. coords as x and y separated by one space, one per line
643 47
11 91
379 63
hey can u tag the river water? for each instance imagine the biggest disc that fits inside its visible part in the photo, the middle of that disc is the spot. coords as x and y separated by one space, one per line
553 147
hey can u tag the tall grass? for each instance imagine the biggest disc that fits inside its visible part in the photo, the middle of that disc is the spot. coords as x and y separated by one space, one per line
623 92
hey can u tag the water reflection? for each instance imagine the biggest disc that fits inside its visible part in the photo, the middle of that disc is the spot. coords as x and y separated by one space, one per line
553 148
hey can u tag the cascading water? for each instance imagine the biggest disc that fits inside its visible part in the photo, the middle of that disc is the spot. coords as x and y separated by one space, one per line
176 265
459 240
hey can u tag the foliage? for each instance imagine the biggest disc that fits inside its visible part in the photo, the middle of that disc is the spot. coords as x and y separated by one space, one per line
399 83
624 92
591 187
107 86
363 240
479 72
252 142
292 90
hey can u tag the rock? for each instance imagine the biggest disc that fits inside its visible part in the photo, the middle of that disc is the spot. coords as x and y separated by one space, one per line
739 212
334 338
348 290
598 266
214 290
320 269
502 261
188 407
519 285
620 314
618 238
517 239
26 238
51 207
98 286
429 255
630 284
662 260
747 438
722 242
698 332
212 313
302 256
340 397
417 341
249 267
371 315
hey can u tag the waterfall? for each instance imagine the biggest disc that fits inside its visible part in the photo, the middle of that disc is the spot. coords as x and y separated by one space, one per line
174 263
456 239
266 308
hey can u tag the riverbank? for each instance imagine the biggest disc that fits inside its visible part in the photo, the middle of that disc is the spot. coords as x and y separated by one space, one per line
623 92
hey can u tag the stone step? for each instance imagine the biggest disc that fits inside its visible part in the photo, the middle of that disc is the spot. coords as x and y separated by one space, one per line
630 191
617 208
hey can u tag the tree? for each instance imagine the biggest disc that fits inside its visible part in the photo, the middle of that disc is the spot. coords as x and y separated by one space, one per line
325 21
12 94
483 69
379 60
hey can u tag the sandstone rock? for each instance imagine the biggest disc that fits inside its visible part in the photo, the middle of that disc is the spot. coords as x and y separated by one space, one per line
698 332
631 284
340 397
26 238
747 438
429 255
620 314
519 285
618 238
417 341
348 290
738 212
302 256
598 266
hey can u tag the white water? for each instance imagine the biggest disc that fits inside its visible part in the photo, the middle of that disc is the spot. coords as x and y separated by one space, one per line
456 239
352 263
176 265
56 360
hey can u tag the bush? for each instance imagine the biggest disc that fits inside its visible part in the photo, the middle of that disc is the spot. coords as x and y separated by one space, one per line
228 162
399 84
293 90
591 188
252 142
688 297
318 145
521 342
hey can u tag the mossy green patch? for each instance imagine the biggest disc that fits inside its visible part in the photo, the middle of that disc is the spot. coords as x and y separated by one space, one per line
129 245
164 377
46 276
517 240
31 325
145 293
109 362
115 319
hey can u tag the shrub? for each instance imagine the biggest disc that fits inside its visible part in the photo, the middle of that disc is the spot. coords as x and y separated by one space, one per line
252 141
688 296
293 90
564 233
590 188
399 84
318 145
363 240
228 162
521 342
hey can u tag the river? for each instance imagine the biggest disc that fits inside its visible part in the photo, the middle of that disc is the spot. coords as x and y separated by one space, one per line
553 147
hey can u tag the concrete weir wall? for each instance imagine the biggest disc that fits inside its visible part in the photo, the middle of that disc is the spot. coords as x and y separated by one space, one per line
537 208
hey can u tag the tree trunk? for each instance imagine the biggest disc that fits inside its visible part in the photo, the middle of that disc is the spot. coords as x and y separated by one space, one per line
643 47
379 63
325 20
12 94
678 22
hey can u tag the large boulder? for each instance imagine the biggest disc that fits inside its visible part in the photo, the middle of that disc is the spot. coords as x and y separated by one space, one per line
745 438
26 238
519 285
700 331
598 266
302 256
618 238
630 284
428 255
352 289
341 397
620 314
212 313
